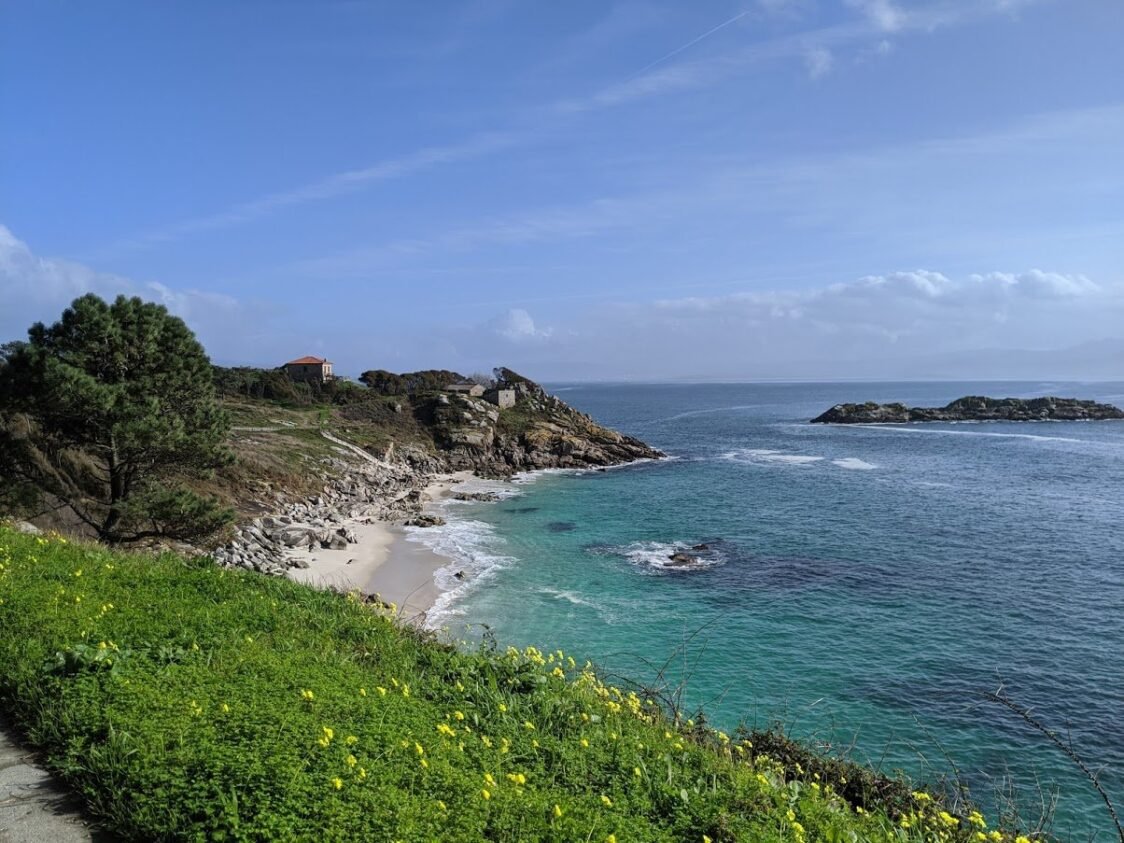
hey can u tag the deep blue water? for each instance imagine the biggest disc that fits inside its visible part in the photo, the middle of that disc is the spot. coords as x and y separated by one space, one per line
867 585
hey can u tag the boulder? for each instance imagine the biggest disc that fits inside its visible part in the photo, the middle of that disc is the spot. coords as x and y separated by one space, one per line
426 520
295 537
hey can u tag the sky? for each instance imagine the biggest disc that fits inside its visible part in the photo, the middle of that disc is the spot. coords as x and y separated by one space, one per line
611 190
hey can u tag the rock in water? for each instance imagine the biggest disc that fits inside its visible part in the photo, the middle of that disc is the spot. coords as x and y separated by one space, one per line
973 408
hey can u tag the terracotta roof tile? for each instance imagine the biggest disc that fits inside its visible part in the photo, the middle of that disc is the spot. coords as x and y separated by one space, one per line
305 361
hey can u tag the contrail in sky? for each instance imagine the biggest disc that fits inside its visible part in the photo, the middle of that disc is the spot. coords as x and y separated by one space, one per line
691 43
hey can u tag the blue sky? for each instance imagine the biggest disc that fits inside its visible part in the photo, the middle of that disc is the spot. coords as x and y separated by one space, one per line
585 190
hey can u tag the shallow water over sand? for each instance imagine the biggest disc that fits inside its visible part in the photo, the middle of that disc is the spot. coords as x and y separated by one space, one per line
862 584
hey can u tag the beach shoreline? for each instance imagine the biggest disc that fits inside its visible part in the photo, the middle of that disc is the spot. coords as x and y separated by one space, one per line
384 563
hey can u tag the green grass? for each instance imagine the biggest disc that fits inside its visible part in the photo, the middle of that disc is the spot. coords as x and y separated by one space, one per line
185 702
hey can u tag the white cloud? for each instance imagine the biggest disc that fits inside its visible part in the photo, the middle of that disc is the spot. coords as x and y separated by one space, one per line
882 13
37 289
517 326
818 60
917 323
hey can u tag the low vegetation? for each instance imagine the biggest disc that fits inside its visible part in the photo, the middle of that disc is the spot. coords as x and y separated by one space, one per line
187 702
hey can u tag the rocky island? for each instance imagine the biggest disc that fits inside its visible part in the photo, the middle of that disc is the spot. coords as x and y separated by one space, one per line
973 408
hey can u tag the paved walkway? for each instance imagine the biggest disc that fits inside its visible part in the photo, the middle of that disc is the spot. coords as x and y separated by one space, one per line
34 807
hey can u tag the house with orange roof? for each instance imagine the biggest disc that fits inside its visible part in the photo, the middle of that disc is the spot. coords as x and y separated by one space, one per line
309 369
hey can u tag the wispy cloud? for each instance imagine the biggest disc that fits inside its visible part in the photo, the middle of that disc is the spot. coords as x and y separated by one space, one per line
37 289
818 60
651 81
884 14
807 192
334 185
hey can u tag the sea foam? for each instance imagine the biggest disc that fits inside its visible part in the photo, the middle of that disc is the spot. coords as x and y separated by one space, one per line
854 464
654 557
942 432
766 456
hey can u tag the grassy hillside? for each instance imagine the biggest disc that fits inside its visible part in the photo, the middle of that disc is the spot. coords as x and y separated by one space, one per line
186 702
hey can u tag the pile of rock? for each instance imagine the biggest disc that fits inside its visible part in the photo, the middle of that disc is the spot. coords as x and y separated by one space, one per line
372 491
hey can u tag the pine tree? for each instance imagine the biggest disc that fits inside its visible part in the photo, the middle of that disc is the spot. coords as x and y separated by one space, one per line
118 409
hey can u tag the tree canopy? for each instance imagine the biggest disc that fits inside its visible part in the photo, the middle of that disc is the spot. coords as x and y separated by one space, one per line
428 380
119 413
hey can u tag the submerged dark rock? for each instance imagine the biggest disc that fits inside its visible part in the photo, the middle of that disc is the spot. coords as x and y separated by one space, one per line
973 408
684 560
561 526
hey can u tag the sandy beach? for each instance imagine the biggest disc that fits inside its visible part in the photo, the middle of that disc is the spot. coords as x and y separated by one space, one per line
384 561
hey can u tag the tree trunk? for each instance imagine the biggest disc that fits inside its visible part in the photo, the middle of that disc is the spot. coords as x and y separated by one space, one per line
116 495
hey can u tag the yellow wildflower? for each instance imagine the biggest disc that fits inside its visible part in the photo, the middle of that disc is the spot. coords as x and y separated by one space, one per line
307 694
351 740
362 692
517 778
486 794
606 801
441 806
351 761
458 715
950 820
381 690
503 707
557 811
528 725
584 743
337 783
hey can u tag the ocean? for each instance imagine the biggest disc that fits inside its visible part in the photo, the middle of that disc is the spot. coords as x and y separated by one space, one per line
864 586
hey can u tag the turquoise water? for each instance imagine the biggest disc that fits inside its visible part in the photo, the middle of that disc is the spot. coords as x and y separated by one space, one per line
865 585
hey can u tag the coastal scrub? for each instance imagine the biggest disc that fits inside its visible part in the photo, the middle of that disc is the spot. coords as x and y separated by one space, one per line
183 701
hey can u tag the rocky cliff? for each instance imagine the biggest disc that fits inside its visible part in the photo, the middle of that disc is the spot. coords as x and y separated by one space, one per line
973 408
540 431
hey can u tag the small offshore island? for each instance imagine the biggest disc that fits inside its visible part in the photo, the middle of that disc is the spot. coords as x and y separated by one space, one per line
973 408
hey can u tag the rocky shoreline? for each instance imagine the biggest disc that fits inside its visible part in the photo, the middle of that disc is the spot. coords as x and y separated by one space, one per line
373 491
973 408
470 435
